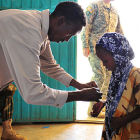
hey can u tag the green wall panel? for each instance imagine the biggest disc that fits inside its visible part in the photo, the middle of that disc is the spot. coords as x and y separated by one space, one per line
6 3
45 4
65 55
16 4
35 4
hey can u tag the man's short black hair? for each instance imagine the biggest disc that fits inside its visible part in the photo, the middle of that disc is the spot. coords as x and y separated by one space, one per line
72 12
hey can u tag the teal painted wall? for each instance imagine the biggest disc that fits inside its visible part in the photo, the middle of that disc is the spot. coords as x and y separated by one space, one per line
30 4
65 55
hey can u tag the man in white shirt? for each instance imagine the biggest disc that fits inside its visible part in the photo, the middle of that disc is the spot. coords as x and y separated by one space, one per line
25 49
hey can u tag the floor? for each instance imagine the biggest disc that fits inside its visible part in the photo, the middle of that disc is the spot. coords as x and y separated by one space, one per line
60 131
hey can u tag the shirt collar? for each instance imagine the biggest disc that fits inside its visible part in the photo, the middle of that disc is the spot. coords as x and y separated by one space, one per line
45 23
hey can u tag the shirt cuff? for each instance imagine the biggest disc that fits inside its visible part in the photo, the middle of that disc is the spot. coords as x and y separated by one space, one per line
61 98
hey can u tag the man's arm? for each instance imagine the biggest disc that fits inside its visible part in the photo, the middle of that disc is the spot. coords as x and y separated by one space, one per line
90 94
53 70
24 64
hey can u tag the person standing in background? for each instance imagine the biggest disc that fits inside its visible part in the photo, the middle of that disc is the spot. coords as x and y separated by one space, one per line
101 18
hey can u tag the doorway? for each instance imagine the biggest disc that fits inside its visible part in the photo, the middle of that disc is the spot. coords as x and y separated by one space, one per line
129 15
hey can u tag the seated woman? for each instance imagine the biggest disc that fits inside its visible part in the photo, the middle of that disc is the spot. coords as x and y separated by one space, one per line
122 117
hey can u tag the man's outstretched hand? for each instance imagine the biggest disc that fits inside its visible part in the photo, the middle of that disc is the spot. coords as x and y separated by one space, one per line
92 84
88 94
89 85
80 86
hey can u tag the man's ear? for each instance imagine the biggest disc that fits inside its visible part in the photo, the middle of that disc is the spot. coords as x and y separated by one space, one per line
60 20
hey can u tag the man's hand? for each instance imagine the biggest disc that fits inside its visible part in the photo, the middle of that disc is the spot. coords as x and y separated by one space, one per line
88 85
92 84
80 86
86 52
89 94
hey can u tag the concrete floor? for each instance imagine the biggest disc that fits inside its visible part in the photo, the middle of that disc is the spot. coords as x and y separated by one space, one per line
59 131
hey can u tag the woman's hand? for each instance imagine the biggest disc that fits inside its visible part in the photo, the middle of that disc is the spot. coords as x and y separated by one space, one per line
119 122
97 107
116 123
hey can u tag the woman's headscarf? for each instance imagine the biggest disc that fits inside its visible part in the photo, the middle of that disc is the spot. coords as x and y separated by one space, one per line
122 53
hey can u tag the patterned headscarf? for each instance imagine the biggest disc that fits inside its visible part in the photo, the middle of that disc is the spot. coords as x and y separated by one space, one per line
122 53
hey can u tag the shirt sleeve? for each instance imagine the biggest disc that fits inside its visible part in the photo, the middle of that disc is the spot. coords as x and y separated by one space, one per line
50 68
90 13
22 54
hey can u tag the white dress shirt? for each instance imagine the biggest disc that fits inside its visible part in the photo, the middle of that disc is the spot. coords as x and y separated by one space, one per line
24 49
